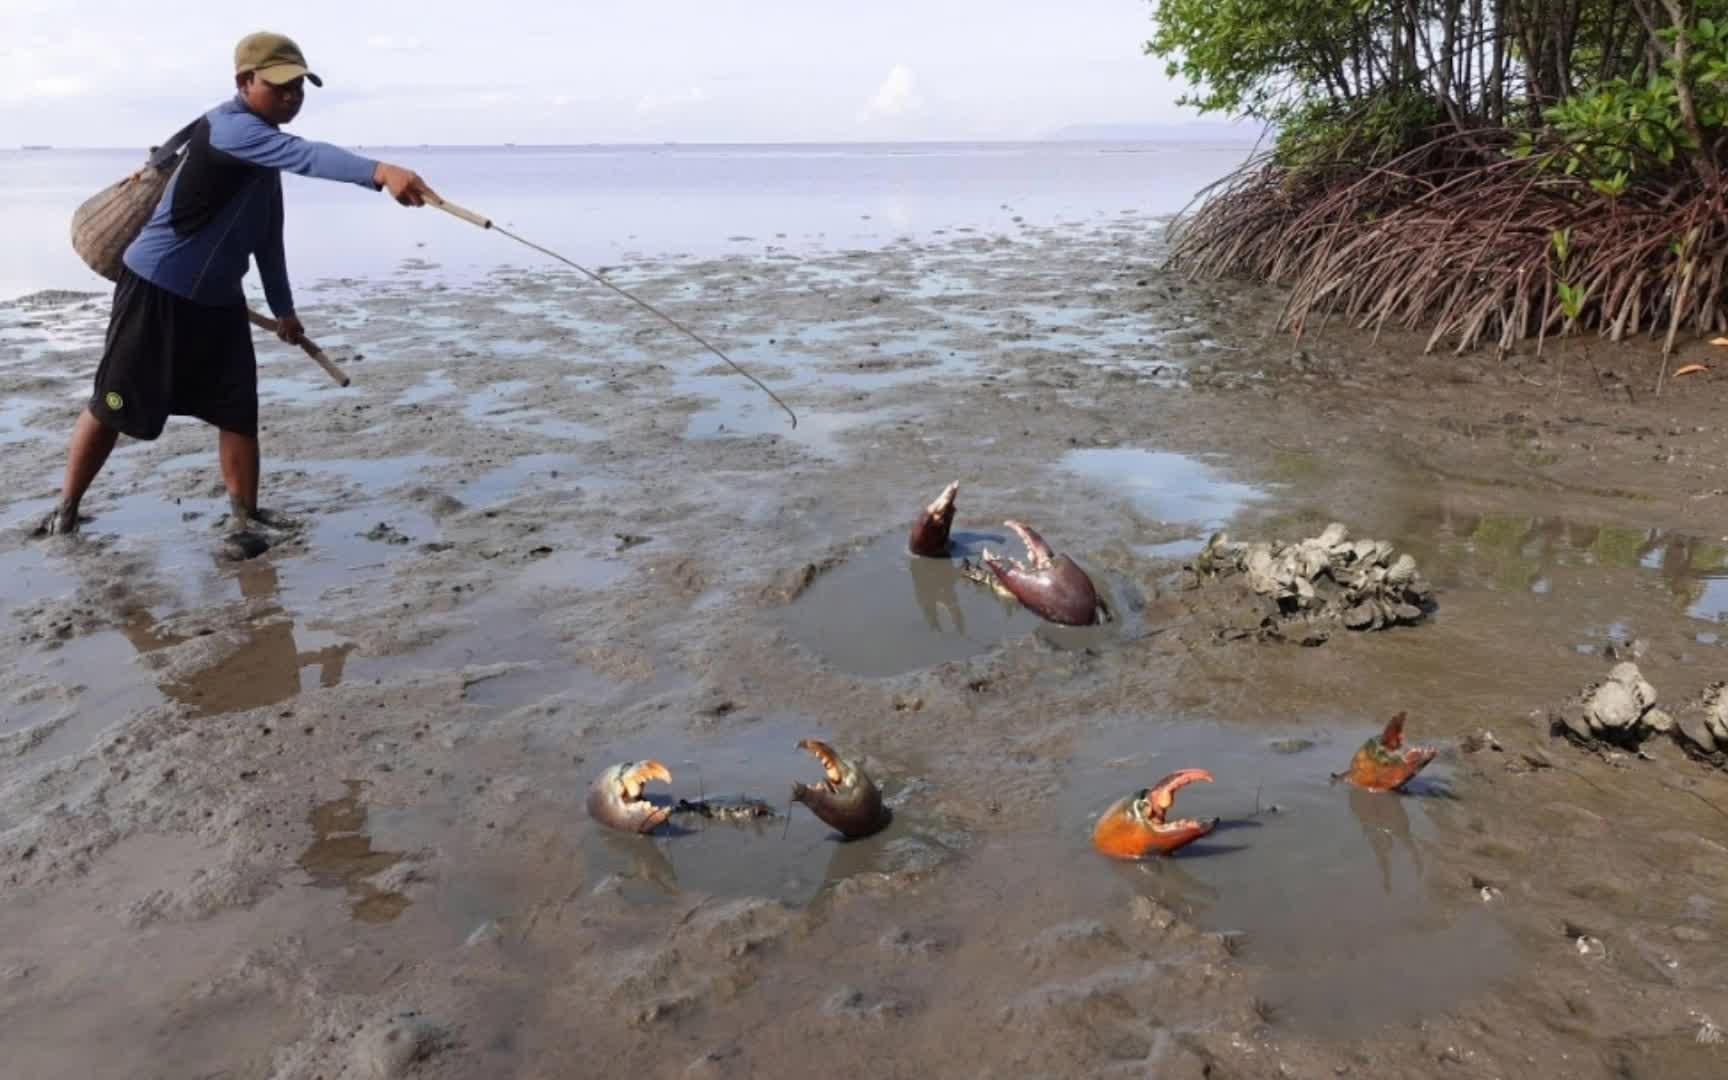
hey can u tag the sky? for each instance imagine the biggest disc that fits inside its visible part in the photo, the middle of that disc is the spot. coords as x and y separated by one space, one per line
121 73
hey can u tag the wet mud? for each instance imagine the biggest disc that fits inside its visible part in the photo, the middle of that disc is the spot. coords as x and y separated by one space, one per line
321 813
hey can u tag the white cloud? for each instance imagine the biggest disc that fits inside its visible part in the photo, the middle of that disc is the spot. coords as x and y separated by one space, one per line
57 87
392 43
897 96
657 102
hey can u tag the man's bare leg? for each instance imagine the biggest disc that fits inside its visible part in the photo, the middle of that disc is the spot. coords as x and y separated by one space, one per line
239 456
240 469
92 442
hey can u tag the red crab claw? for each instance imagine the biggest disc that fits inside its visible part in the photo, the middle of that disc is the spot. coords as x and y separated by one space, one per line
847 799
930 532
616 798
1384 764
1137 825
1050 585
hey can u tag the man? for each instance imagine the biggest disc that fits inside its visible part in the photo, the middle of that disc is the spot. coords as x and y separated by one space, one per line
178 338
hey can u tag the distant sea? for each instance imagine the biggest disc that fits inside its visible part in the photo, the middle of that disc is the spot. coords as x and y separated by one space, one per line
600 204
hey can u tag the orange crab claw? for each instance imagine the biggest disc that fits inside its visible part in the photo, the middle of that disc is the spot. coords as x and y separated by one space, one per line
848 800
1136 825
929 535
1383 764
826 755
616 798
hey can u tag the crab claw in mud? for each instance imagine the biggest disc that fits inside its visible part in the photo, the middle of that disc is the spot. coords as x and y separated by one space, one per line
930 532
616 798
1136 826
1384 764
1053 586
847 800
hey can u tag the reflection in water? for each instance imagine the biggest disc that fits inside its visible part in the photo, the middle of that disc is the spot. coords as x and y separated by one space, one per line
1386 825
264 669
639 859
1521 551
341 856
935 584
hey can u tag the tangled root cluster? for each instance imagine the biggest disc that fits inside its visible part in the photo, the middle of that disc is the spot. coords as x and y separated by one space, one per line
1457 237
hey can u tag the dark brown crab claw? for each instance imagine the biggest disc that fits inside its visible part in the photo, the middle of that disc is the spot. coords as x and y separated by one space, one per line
616 798
847 799
1384 763
1050 585
930 532
1137 825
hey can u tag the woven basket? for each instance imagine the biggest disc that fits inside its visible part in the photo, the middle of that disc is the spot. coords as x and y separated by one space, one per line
107 223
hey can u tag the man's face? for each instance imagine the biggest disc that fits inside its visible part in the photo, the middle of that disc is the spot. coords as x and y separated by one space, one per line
277 104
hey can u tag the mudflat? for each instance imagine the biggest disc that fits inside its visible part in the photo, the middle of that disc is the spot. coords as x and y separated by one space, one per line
320 813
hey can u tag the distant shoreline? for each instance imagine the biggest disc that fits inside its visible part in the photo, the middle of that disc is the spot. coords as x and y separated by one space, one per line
1221 140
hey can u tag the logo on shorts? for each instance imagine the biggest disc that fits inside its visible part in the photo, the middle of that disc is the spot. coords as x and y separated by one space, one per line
115 401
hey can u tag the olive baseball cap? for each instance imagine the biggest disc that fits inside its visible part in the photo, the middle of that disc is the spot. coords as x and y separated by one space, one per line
274 57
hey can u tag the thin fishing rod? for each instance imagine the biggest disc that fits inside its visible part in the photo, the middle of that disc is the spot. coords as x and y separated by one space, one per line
486 223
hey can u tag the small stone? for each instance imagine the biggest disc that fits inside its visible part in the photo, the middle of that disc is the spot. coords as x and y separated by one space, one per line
1658 721
1290 746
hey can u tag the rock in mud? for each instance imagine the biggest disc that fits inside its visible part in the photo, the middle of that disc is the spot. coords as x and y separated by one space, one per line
390 1047
1702 725
1362 584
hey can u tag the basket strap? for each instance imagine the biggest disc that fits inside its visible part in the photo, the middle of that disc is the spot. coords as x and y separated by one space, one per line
165 153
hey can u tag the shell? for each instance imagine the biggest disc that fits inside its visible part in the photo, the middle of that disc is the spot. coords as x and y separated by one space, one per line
1610 705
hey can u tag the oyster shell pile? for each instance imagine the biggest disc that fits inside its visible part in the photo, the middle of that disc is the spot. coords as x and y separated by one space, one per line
1703 723
1361 583
1619 709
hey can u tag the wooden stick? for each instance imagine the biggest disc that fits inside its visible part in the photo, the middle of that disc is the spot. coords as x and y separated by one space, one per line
265 322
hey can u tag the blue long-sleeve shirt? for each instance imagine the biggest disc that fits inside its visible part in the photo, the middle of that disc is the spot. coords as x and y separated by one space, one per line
223 207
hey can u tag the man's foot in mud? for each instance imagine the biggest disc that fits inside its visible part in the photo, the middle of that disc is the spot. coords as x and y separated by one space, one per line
61 521
246 518
243 544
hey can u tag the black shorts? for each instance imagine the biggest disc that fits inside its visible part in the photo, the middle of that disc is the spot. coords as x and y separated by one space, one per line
167 356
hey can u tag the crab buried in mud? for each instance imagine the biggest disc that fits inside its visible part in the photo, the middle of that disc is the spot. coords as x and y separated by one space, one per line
1383 763
1049 585
847 800
1137 825
929 536
617 800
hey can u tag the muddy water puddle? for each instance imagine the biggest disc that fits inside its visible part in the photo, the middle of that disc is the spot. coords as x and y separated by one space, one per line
791 856
1325 887
1554 556
884 611
1163 486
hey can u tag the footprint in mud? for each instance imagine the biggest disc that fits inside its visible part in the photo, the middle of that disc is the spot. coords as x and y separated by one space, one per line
790 856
